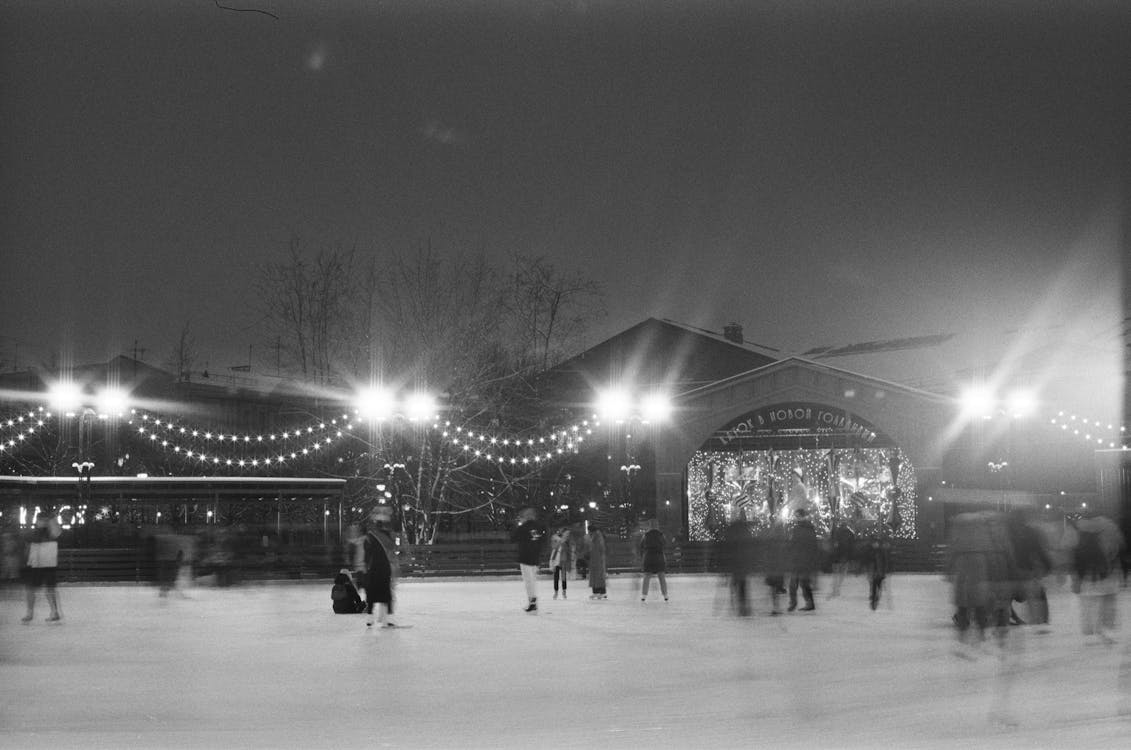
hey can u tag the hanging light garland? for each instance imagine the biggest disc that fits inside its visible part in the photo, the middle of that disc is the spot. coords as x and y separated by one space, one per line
1089 430
515 451
16 430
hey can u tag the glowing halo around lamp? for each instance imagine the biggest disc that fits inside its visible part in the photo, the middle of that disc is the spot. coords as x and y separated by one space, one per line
65 397
656 407
375 403
977 401
613 405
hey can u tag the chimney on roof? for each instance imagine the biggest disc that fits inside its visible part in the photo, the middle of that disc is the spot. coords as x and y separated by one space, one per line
733 332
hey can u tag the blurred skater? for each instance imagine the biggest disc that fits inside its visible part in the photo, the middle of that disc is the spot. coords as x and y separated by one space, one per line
530 537
1032 563
877 561
981 561
774 564
597 571
842 555
561 559
1096 575
804 560
652 559
381 568
738 559
42 563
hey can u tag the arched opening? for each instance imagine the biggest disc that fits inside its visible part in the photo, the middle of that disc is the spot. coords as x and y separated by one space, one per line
768 463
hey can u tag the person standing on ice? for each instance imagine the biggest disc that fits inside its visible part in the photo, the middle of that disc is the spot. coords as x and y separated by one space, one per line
774 563
843 553
381 568
653 562
1097 576
804 560
529 536
738 558
597 571
877 551
42 562
561 559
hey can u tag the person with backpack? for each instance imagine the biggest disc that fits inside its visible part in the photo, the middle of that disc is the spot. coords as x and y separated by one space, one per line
652 559
1095 578
347 600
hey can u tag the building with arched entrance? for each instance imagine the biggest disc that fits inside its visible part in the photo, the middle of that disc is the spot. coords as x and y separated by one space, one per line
757 433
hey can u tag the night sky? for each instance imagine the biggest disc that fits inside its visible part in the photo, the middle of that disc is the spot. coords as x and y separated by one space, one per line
822 173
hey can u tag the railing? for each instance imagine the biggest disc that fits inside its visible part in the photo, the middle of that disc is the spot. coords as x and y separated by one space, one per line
134 564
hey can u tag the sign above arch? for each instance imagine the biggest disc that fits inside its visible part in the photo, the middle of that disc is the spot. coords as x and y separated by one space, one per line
796 424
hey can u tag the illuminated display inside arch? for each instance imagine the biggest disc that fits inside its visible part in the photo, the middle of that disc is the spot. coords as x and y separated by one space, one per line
771 462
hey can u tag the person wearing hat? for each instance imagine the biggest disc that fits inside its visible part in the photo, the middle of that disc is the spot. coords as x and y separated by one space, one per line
381 567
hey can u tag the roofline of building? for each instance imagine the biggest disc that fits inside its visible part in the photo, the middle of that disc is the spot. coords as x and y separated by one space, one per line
787 361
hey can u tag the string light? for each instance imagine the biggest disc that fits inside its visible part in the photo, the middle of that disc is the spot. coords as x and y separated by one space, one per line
1089 430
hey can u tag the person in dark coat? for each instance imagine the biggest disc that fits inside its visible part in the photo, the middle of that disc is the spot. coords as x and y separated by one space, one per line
981 560
1032 563
653 562
877 561
381 568
738 556
347 600
804 560
597 571
774 564
529 536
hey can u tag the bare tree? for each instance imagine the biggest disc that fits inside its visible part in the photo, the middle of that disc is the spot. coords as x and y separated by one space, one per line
449 322
307 306
547 309
184 354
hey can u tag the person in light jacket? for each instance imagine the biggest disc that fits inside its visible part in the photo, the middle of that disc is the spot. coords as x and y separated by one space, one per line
561 559
42 563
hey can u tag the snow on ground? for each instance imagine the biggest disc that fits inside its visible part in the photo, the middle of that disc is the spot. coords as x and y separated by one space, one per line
270 666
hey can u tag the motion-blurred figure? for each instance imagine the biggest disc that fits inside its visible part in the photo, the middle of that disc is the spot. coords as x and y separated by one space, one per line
597 563
381 568
877 561
738 557
1097 577
42 563
979 568
774 564
804 559
1032 563
842 554
653 561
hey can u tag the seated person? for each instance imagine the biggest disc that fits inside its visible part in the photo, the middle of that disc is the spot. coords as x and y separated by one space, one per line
347 601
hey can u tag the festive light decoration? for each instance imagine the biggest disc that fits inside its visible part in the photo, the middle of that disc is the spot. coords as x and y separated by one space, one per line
767 486
1092 431
15 431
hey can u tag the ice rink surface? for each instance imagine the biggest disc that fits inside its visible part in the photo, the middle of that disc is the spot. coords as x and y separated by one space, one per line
270 666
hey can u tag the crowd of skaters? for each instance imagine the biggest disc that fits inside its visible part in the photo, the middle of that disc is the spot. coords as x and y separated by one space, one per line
997 565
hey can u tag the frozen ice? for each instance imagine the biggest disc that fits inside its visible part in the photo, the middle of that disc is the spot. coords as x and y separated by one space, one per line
271 666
